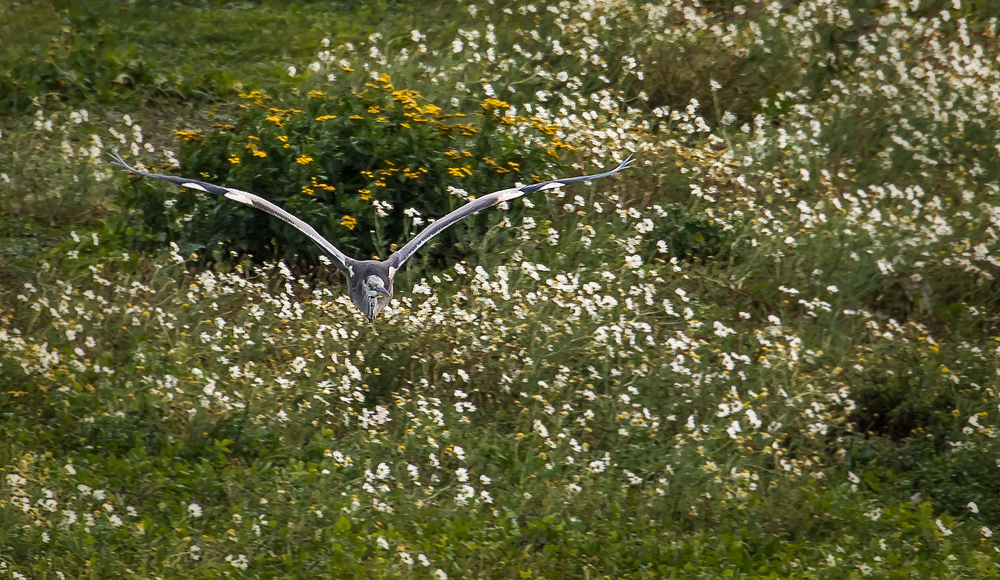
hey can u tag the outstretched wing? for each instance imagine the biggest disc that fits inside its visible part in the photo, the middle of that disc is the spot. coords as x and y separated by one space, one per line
475 206
342 262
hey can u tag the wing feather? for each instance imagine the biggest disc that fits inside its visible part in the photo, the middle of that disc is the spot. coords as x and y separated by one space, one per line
487 201
342 262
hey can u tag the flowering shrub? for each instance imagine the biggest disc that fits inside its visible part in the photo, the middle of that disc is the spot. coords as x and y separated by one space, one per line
363 167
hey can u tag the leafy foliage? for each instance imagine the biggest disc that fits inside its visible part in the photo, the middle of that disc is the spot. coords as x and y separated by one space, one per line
347 163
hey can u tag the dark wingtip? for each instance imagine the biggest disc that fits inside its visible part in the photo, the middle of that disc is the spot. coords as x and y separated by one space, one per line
116 159
532 188
621 166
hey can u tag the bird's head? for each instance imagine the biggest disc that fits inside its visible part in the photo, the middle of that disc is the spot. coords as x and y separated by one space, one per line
377 293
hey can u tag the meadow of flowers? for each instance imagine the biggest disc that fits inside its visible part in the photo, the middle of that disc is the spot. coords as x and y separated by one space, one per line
770 350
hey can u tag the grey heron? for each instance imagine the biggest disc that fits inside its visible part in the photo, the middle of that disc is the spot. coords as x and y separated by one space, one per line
370 282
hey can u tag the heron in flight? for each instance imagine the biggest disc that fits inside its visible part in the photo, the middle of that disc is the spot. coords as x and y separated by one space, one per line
369 282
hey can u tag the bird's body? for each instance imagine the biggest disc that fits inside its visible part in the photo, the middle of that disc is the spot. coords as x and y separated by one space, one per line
370 282
364 286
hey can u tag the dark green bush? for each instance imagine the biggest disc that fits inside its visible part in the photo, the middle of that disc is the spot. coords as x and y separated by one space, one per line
350 164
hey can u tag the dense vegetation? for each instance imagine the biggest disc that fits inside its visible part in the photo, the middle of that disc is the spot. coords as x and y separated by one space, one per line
770 350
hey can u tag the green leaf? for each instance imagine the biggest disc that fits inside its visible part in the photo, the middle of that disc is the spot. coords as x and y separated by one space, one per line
343 525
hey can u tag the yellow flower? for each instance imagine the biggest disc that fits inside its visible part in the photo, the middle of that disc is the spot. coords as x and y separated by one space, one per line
490 163
274 119
557 143
307 190
234 160
322 186
355 117
408 98
255 96
304 160
349 222
405 125
544 127
315 94
460 171
366 194
259 153
188 136
373 110
326 117
493 104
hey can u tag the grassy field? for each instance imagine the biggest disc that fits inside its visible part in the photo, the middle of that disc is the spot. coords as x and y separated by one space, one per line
769 350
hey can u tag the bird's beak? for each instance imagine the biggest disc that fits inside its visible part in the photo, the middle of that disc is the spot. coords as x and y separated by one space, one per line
382 289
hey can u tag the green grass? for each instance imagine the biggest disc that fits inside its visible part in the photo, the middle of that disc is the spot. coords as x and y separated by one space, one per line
125 54
767 351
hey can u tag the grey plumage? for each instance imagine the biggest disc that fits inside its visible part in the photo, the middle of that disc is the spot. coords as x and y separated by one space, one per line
370 282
